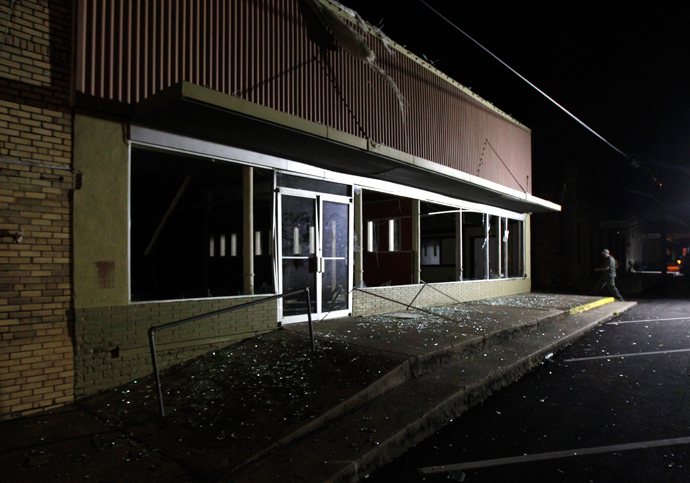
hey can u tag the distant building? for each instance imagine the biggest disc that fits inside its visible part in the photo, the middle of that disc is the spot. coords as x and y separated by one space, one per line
626 216
174 158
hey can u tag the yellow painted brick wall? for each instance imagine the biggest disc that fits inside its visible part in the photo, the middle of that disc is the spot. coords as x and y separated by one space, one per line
112 345
36 353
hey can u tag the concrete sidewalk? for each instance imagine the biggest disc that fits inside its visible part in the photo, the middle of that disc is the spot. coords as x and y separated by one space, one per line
270 410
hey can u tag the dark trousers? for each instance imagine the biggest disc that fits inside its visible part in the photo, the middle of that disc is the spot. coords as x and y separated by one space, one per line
610 282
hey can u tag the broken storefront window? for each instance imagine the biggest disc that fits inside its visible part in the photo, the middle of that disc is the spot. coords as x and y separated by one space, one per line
186 227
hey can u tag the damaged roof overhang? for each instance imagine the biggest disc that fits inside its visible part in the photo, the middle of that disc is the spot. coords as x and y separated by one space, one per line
206 114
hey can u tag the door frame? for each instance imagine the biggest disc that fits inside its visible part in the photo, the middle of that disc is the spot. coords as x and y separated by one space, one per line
319 199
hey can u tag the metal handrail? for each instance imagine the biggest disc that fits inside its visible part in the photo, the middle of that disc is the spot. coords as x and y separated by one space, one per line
170 325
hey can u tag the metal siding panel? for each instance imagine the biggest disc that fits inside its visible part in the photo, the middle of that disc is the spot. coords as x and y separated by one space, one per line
259 54
81 40
145 57
134 52
197 51
248 58
154 50
185 41
266 53
287 59
210 46
100 48
119 18
300 70
203 45
291 62
222 47
165 37
261 51
235 16
126 90
109 51
168 39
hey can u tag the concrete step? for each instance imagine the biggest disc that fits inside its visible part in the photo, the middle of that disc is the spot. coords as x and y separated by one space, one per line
419 365
348 447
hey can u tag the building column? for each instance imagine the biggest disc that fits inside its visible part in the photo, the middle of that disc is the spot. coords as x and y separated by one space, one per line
248 229
499 246
527 246
458 246
359 236
487 248
416 243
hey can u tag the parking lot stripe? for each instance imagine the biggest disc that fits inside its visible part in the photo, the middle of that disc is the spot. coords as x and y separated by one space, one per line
613 356
617 322
553 455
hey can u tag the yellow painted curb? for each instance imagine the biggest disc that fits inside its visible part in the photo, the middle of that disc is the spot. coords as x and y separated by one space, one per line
589 306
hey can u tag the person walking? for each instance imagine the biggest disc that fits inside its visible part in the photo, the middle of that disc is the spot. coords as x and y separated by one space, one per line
608 278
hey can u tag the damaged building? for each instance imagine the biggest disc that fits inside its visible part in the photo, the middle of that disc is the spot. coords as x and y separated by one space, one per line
216 152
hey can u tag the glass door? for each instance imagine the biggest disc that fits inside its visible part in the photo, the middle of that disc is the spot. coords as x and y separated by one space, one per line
298 252
315 252
335 273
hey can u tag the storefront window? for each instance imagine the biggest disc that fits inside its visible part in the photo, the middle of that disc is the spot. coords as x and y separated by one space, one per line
186 233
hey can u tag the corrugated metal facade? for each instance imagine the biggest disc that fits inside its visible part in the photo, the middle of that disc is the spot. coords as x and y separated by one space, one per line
277 54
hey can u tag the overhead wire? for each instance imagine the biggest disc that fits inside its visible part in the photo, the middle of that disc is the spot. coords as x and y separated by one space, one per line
633 163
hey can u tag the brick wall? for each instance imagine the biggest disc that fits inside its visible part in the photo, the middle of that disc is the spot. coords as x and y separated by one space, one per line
390 299
36 361
112 344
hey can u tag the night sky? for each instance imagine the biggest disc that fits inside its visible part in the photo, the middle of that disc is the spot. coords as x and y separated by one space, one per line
623 72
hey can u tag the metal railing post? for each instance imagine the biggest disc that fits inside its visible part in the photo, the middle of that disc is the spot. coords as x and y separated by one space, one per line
152 330
311 325
156 373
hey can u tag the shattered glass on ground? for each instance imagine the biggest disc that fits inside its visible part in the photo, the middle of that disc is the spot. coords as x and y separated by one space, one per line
540 301
231 405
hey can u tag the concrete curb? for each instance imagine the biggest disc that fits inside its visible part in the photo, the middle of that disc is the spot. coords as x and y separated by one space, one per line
590 306
411 368
418 366
467 397
400 375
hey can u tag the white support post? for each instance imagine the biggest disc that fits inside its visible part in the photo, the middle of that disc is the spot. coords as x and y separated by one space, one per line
248 228
487 245
359 236
458 246
416 242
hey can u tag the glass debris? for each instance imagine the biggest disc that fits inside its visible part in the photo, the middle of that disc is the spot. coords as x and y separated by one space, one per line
251 394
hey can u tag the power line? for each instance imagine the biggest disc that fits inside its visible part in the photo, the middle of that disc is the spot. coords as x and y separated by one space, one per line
632 161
